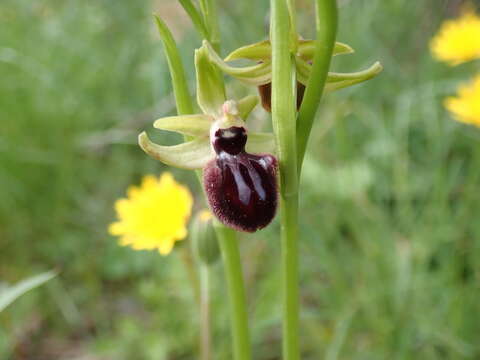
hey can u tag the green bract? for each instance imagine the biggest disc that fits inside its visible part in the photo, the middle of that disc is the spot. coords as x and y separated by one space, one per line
197 152
261 73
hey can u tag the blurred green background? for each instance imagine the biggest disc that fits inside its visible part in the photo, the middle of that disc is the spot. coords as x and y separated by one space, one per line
390 197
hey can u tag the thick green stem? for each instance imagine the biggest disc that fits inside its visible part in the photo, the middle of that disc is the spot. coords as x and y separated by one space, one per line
236 292
326 20
289 236
205 332
283 118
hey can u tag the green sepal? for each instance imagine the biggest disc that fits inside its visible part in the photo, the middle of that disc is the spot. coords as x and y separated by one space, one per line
306 49
262 51
258 74
259 51
260 143
246 105
210 88
191 125
191 155
337 81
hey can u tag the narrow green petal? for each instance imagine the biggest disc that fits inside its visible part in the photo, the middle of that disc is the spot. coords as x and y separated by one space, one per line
192 125
336 81
210 88
257 52
191 155
306 49
259 143
246 105
255 75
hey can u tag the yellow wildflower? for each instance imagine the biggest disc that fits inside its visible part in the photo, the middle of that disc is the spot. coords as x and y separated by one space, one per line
466 106
154 215
458 40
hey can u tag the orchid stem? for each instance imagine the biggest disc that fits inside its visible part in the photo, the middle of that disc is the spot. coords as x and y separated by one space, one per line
236 291
205 332
283 118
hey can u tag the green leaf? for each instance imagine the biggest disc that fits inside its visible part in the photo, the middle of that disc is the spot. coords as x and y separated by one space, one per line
192 125
195 16
261 143
180 87
191 155
11 293
306 49
255 75
246 105
336 81
210 88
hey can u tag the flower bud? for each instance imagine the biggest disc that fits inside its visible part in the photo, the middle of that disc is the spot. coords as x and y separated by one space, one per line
204 239
241 187
265 92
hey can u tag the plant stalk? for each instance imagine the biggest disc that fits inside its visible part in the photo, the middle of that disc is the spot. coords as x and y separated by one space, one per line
205 331
236 292
284 125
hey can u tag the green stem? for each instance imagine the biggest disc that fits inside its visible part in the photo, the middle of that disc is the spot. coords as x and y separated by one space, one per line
205 332
326 20
238 310
283 118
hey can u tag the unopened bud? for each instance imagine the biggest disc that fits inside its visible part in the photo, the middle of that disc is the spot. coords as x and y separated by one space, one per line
204 240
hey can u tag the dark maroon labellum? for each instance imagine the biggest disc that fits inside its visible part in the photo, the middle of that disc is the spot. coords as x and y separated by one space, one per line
241 187
265 92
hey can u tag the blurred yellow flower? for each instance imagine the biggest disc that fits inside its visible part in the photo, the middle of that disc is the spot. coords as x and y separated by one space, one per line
466 106
154 215
458 40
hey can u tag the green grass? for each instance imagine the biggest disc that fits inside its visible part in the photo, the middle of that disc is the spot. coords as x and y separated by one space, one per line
389 202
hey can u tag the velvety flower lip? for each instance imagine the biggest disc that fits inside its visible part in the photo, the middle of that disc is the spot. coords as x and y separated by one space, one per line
458 40
154 215
241 187
465 107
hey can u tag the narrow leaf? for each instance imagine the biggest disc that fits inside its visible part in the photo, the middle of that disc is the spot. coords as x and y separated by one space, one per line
11 293
180 87
195 16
